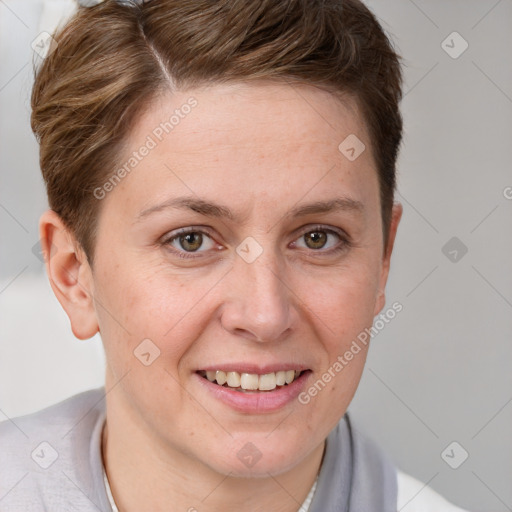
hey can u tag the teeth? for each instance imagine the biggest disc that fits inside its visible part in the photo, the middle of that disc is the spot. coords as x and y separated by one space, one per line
220 377
280 378
252 381
249 381
233 379
268 382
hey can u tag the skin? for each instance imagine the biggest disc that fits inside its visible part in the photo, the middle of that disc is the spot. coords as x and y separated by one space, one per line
260 150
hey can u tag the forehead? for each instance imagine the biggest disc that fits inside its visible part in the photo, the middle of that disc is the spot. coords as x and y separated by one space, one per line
272 141
254 113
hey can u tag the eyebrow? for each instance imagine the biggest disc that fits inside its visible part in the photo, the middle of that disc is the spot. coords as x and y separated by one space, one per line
212 209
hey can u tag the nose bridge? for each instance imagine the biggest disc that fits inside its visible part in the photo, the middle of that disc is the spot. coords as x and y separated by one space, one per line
261 305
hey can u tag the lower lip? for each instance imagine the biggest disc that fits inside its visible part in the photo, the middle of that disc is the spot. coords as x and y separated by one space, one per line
257 402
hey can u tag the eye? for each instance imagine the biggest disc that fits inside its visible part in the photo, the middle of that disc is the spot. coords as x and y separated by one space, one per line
322 238
189 241
186 242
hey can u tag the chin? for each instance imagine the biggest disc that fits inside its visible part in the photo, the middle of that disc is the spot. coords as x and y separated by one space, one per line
256 456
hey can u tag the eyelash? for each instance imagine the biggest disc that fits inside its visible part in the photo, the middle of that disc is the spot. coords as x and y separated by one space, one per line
344 244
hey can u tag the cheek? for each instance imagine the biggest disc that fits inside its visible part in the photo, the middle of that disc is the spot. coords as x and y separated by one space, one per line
343 311
344 299
150 303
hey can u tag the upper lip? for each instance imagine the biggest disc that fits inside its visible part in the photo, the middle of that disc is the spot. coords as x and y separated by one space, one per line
254 368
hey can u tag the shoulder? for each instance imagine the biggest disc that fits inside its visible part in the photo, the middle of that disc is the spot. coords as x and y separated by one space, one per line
52 419
46 451
415 496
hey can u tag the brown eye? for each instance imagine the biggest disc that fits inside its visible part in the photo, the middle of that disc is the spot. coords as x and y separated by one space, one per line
191 241
315 239
185 242
323 241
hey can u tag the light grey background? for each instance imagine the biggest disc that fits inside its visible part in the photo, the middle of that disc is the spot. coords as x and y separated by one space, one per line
440 371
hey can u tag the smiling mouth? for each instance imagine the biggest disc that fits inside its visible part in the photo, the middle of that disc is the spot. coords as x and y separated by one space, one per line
251 382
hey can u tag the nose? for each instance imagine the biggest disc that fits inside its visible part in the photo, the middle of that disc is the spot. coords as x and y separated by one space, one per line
260 306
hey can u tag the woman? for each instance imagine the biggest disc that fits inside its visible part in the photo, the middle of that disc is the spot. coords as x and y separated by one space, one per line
221 180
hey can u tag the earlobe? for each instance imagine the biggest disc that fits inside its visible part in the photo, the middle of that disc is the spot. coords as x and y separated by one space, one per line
69 273
396 215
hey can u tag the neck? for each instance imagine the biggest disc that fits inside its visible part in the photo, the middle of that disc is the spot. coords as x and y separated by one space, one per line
143 476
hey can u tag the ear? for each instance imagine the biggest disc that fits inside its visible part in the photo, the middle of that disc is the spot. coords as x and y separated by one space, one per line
69 273
396 215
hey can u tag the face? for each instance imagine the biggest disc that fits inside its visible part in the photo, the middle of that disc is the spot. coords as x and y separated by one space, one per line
243 246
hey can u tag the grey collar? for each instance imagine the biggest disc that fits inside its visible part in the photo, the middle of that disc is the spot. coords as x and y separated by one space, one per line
356 476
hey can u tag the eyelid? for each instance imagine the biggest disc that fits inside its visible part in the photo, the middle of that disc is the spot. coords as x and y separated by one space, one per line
175 233
322 227
189 229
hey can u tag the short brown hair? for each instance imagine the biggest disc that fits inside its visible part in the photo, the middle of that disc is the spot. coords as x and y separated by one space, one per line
113 59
